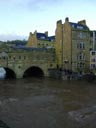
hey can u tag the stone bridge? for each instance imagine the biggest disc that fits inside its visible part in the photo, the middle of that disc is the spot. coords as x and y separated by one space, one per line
26 62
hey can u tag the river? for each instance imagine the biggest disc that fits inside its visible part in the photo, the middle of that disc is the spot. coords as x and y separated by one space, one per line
47 103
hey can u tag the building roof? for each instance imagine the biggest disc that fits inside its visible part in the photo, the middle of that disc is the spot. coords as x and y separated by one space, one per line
51 38
78 26
30 48
43 36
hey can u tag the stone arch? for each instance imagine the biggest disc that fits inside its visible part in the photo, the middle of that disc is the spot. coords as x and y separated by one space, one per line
33 71
10 74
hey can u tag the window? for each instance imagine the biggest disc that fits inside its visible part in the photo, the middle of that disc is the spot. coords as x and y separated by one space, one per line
51 65
4 57
73 26
80 27
82 35
93 59
93 53
19 66
80 56
14 58
93 66
19 57
80 65
52 40
24 57
9 57
42 37
81 45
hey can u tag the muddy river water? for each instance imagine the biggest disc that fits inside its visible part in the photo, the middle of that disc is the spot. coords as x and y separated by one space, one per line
47 103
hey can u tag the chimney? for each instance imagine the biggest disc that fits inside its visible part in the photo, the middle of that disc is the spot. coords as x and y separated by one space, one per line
30 33
35 32
82 22
46 33
59 23
66 19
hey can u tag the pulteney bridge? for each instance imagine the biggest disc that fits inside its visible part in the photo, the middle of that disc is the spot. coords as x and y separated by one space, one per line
25 62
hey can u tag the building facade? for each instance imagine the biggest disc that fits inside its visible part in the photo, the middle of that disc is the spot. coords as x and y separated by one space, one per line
59 43
41 40
93 40
72 43
93 61
73 46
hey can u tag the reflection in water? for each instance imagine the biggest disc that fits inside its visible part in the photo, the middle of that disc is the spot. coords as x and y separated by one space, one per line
47 103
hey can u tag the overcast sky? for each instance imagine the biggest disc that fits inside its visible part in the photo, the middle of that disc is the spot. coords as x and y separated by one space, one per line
19 17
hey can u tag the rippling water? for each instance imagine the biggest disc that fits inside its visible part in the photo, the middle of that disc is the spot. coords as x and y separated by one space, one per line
47 103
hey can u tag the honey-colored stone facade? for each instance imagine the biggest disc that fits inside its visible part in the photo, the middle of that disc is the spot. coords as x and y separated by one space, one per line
73 46
32 40
40 42
58 43
19 60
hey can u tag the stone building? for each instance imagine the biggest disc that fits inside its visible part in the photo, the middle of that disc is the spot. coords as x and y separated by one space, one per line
41 40
93 51
93 61
93 40
73 46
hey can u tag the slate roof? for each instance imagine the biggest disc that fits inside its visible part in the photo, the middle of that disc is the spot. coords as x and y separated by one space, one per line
29 48
52 38
78 26
43 36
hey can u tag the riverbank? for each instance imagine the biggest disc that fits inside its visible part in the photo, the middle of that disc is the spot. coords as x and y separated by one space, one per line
69 75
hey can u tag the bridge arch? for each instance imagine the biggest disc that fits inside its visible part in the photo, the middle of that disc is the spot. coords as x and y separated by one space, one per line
10 74
33 71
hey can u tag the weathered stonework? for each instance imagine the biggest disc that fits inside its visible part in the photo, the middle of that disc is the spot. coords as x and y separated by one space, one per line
40 42
19 60
69 49
75 40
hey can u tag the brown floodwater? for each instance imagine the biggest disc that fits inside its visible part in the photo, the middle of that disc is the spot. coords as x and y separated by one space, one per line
47 103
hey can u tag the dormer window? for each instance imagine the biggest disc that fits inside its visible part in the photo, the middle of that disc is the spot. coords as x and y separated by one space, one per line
79 27
42 37
73 26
